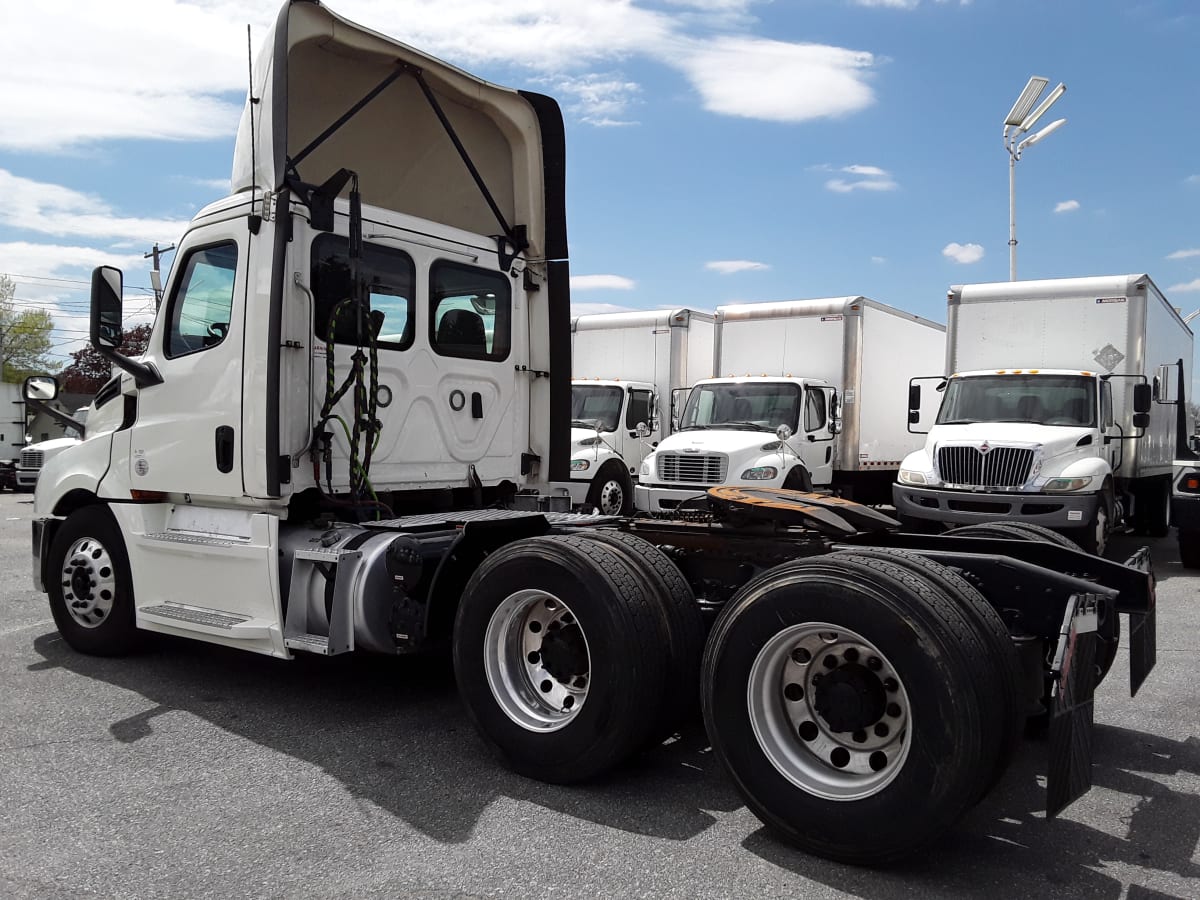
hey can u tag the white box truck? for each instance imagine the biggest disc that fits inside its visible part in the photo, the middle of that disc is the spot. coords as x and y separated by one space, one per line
1057 408
341 438
802 399
629 370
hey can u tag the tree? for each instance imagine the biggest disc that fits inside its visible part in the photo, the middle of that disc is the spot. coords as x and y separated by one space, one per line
24 336
88 370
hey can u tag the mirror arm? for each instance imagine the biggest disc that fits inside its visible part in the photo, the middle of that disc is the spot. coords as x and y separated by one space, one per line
144 374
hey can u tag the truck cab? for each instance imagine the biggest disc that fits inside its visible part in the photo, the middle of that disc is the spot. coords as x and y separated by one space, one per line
614 424
764 431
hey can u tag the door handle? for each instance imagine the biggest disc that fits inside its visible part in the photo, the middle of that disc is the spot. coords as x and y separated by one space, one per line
224 448
476 405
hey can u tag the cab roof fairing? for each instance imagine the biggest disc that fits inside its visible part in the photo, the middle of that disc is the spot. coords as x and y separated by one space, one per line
314 66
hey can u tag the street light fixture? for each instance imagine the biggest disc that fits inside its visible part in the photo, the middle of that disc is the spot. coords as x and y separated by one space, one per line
1019 120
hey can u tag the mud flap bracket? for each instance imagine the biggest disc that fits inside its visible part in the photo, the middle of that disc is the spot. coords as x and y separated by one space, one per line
1073 686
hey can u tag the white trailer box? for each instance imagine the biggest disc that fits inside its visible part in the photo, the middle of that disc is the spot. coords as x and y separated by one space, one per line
828 369
1045 372
629 368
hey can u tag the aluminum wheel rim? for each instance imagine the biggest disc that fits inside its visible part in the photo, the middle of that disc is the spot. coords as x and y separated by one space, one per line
612 498
783 694
537 660
89 583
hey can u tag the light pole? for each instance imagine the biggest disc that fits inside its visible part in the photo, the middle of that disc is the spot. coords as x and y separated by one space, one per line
1018 121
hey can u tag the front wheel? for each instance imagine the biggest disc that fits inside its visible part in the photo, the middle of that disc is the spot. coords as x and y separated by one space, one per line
89 584
1189 547
1093 538
611 491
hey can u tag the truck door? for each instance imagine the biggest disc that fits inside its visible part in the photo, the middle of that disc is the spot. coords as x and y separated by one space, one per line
816 444
1112 452
186 437
640 406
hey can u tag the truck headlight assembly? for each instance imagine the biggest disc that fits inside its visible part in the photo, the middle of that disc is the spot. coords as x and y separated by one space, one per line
912 476
580 465
760 473
1060 485
644 471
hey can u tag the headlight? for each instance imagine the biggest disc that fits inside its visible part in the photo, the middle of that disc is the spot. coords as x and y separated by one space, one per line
912 476
645 469
580 465
1058 485
760 473
590 442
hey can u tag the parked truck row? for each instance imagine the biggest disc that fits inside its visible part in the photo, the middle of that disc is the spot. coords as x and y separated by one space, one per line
351 432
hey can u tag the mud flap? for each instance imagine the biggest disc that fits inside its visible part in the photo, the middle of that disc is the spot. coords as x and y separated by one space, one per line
1143 629
1071 705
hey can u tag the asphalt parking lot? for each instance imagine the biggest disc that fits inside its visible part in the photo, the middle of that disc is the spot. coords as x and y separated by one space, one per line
195 771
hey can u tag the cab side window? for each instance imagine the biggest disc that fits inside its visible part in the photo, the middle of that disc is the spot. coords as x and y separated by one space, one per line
389 276
814 410
641 409
201 304
470 312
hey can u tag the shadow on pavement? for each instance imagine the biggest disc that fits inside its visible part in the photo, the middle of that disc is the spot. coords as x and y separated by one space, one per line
392 732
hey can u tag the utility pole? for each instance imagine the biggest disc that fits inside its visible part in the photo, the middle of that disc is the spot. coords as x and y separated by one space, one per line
155 278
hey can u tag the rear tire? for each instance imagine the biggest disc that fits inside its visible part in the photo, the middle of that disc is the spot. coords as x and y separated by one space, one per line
791 745
1156 521
89 584
1189 547
558 656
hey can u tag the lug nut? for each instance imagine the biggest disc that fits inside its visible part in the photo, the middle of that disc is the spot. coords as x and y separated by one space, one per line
874 663
800 656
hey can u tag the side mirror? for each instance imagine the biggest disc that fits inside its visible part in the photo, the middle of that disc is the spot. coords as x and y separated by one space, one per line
835 425
40 387
914 398
1165 381
1142 399
106 308
643 430
783 432
1141 420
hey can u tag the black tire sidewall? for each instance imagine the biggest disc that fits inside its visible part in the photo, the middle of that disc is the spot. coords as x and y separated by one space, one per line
612 471
118 633
936 778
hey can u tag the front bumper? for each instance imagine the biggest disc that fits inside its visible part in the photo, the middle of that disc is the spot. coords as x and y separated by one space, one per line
27 478
964 507
657 498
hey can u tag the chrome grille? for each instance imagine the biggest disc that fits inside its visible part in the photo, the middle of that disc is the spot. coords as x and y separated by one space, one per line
31 459
692 468
999 467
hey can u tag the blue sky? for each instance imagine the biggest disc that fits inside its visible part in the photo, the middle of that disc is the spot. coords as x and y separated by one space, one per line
718 150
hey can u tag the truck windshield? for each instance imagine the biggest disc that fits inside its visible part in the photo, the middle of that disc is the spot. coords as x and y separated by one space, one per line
1043 399
596 406
762 406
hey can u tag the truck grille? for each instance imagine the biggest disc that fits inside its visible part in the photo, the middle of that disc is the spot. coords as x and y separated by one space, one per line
31 459
999 467
692 468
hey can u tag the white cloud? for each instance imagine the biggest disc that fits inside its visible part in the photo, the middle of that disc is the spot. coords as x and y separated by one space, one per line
879 260
602 283
730 266
1184 254
1185 287
50 261
52 209
963 253
176 69
890 4
1066 206
871 178
756 78
1192 179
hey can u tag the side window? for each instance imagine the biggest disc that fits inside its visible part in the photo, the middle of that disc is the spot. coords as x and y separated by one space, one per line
202 301
389 276
470 312
641 409
814 409
1106 406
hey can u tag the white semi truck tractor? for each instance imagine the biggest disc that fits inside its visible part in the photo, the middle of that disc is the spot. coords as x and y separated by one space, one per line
1058 408
631 372
350 432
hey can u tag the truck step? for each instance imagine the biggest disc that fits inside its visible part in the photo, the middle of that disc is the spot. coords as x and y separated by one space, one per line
210 621
312 643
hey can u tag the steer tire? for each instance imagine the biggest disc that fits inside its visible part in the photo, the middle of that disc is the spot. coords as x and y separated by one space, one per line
682 621
89 584
611 492
913 789
1189 547
1001 651
623 665
1156 521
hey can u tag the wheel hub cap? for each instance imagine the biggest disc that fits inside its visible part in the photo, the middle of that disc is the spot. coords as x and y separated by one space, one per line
88 582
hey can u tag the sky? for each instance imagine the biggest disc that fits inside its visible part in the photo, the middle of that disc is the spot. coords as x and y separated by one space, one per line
718 151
